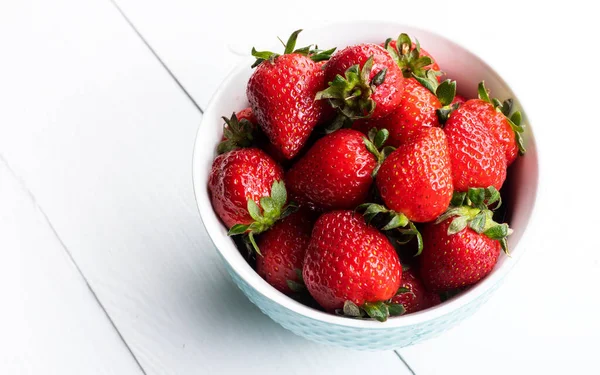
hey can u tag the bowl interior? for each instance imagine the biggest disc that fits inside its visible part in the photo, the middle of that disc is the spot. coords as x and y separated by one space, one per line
459 64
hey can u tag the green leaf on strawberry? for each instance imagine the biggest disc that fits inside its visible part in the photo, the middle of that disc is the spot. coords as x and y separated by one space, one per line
475 210
505 108
236 134
392 220
409 59
376 139
290 47
351 94
271 209
445 92
379 310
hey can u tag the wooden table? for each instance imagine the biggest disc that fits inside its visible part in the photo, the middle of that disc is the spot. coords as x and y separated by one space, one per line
106 268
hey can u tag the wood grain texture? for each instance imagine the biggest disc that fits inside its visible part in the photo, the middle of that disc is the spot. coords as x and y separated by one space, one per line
544 309
48 313
103 137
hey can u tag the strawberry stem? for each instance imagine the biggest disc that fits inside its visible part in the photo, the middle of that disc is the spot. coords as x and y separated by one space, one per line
505 108
290 47
271 209
392 220
472 209
408 59
236 134
351 94
376 139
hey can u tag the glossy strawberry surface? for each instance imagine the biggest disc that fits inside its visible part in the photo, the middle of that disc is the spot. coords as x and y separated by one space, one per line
454 261
334 174
282 96
237 176
283 248
484 114
417 298
416 110
349 260
477 159
416 179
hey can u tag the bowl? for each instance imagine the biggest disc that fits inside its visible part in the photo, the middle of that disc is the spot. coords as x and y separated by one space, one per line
397 332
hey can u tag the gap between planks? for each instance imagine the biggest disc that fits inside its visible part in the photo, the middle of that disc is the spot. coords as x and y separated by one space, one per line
178 82
136 31
23 186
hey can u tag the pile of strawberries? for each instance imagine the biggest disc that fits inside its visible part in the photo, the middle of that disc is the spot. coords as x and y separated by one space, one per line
360 183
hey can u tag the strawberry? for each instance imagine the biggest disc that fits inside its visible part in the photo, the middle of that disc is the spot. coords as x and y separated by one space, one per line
410 57
350 265
494 117
247 191
417 109
281 92
477 159
247 114
238 131
363 82
463 245
459 99
416 179
414 297
282 248
337 172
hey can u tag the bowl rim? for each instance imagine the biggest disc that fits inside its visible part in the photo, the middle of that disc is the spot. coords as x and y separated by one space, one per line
247 273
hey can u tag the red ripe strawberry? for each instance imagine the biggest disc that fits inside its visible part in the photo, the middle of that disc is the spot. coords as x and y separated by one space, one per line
416 179
348 260
411 58
417 109
463 245
282 94
336 173
363 81
238 178
414 297
493 116
282 248
476 157
459 99
247 114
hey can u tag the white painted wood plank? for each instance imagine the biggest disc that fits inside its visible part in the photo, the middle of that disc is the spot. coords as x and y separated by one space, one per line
50 321
196 38
103 137
546 309
544 319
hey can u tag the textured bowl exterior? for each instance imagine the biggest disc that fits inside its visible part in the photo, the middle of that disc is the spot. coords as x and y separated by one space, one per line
358 338
397 332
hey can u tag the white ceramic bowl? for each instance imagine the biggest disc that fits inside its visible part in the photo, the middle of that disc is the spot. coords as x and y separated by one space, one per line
397 332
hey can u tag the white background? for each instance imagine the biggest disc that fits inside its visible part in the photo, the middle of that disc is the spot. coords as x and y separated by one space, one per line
105 267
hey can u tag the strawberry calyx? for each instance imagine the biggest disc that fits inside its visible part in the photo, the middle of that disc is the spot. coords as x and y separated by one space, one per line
271 209
387 219
297 286
236 134
505 107
351 94
472 209
374 143
409 59
445 92
380 310
315 54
